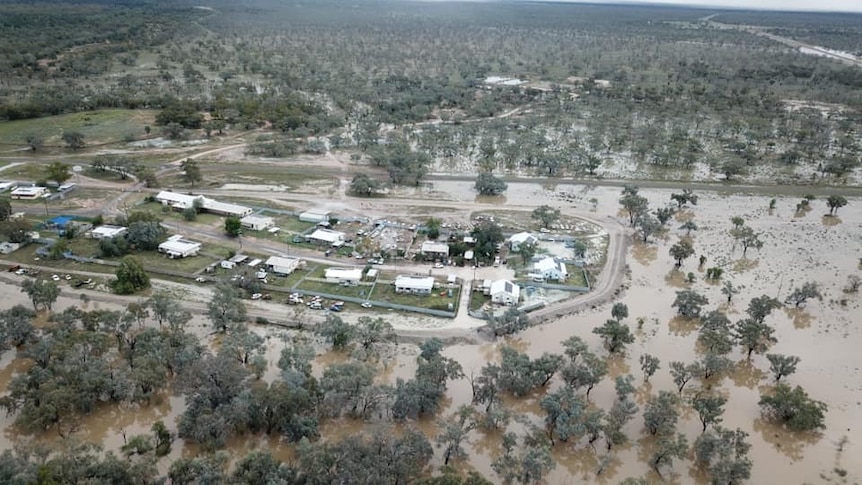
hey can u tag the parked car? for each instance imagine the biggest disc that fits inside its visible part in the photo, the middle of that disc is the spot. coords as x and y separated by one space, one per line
438 265
256 296
315 305
366 304
335 308
55 277
201 279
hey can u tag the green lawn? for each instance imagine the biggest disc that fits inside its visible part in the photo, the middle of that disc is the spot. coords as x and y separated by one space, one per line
358 291
478 300
98 127
386 292
576 277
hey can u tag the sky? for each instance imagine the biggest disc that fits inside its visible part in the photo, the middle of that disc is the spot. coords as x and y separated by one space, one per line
811 5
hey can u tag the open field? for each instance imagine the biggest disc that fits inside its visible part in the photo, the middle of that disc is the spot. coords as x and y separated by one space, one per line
98 127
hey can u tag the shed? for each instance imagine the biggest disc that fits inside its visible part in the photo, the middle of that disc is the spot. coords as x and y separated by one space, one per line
326 237
254 262
434 249
371 274
417 285
227 264
315 215
468 255
28 192
177 247
60 221
238 259
107 232
280 265
343 275
257 223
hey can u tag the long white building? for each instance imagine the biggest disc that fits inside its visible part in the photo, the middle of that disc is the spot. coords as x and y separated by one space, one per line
184 201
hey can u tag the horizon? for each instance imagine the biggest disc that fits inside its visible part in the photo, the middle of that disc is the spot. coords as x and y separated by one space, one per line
789 6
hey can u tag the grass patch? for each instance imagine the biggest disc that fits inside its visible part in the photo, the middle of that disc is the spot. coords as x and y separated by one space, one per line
98 127
27 256
478 300
434 301
358 291
576 277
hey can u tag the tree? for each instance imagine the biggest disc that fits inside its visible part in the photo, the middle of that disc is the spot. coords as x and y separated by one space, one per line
646 225
488 184
687 196
681 251
835 202
232 226
73 139
34 141
546 215
782 365
191 171
336 331
131 276
760 307
5 210
724 453
688 226
225 308
709 408
58 172
145 235
715 335
689 303
365 186
564 412
732 168
16 327
737 221
668 449
619 311
800 295
16 230
488 235
370 331
793 408
729 290
583 368
635 205
660 413
681 374
664 214
754 336
453 431
649 364
711 365
511 321
747 237
42 293
615 334
528 466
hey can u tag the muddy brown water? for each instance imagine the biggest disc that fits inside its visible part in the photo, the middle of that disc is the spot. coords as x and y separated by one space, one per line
824 334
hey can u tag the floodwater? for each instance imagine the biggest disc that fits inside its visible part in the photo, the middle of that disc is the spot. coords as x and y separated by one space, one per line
824 334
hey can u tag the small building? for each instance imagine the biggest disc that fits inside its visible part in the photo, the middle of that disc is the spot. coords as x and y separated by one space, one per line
65 188
469 240
177 247
107 232
28 193
257 223
9 247
550 269
315 215
416 285
520 238
238 258
434 250
282 266
468 255
227 264
225 209
504 292
326 237
178 201
343 275
371 274
254 263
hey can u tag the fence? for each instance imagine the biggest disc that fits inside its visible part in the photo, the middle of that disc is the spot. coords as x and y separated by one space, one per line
376 303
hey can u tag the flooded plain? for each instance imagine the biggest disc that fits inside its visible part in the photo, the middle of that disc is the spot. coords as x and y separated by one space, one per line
824 334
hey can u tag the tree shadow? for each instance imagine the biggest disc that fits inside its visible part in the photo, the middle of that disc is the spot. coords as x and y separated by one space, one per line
830 220
676 279
682 326
800 318
789 443
746 374
644 254
745 264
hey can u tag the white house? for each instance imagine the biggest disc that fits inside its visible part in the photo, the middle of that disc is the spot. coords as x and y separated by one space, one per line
315 215
184 201
280 265
9 247
550 269
28 192
505 292
107 232
257 223
417 285
177 247
326 237
343 275
520 238
434 249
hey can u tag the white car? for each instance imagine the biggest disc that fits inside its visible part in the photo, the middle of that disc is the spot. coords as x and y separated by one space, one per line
366 304
438 265
68 277
201 279
55 278
257 296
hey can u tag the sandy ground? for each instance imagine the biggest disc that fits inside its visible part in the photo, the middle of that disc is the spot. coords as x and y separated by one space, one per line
823 333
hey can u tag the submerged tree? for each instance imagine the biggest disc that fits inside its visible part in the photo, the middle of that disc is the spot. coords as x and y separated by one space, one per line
793 408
